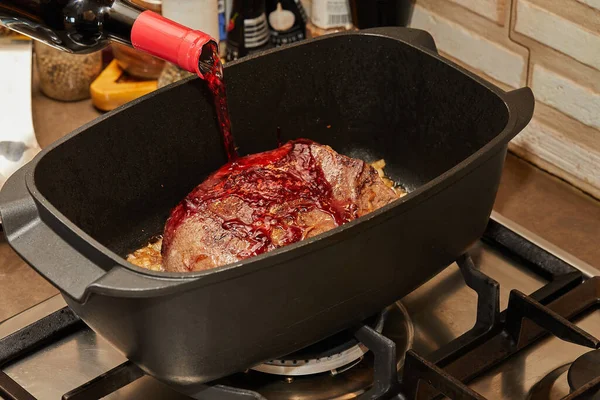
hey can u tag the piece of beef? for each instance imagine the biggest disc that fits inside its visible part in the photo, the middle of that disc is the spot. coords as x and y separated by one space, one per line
268 200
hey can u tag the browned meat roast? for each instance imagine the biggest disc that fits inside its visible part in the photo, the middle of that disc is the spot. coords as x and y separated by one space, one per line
264 201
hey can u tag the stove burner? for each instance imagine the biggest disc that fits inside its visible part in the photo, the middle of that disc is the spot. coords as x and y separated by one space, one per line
583 370
336 354
356 378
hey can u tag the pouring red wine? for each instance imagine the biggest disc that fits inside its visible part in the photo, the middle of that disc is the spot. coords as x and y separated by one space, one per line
261 202
85 26
211 70
251 205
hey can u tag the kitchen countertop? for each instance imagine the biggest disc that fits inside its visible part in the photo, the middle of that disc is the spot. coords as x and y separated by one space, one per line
541 203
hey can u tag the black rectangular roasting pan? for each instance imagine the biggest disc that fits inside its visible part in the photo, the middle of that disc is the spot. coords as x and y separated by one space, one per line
93 196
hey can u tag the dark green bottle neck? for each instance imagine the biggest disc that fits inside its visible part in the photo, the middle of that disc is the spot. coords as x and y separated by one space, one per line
78 26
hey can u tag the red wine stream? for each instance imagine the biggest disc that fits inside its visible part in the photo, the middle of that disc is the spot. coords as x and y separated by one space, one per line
216 84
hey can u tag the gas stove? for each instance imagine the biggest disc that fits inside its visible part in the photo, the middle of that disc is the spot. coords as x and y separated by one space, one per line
514 318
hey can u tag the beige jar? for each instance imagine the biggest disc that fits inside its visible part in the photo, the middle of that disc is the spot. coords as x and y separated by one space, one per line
65 76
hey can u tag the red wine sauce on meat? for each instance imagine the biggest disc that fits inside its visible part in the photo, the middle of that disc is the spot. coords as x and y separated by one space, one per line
287 178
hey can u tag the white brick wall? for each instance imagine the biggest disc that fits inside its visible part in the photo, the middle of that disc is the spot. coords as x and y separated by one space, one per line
557 149
559 33
567 96
591 3
492 9
482 54
554 45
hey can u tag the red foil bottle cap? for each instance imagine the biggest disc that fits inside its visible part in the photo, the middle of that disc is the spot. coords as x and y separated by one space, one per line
166 39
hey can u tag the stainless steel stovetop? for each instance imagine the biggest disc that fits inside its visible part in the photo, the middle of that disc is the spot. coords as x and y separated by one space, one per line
438 312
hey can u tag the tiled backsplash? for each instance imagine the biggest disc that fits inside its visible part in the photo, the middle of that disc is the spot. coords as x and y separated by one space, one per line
553 46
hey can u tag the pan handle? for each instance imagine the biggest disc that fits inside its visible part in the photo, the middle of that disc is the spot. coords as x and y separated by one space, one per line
520 102
124 282
415 37
50 250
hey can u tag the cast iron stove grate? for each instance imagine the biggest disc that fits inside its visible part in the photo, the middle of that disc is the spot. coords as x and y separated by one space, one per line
495 336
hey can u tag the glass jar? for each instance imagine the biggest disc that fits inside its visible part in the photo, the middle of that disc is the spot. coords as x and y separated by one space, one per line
65 76
136 63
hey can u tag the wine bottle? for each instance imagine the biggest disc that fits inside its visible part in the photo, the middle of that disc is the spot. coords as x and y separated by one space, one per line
287 21
248 30
84 26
